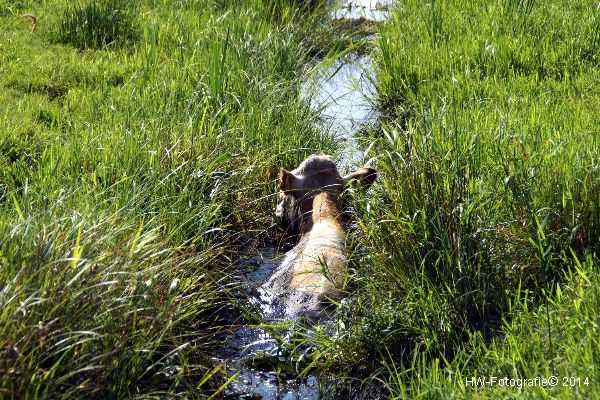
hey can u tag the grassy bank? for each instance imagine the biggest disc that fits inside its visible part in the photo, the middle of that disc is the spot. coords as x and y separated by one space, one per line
139 143
139 146
481 245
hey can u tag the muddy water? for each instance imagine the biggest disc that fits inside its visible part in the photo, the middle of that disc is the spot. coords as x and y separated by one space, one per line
343 93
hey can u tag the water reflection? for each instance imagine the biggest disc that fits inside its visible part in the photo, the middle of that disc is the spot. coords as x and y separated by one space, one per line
374 10
257 357
343 94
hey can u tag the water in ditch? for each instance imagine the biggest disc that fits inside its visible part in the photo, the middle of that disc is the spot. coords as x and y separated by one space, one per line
343 94
374 10
264 369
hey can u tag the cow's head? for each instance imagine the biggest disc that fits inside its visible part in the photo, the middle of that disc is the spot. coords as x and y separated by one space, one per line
316 174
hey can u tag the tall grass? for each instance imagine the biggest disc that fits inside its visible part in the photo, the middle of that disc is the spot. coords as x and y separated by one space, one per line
133 173
488 205
99 23
130 177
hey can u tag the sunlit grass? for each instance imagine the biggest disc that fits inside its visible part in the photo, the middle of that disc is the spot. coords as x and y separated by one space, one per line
99 23
133 169
488 202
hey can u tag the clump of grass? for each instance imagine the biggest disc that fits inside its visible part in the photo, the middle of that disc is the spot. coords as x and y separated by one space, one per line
99 23
88 310
523 351
594 35
523 6
341 34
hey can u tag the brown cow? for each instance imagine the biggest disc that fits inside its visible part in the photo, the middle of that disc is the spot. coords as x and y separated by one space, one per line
314 270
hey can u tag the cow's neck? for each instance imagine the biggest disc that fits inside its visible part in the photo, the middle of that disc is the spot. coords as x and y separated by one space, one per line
325 208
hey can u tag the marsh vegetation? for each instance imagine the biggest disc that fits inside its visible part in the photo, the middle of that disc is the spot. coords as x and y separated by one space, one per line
140 143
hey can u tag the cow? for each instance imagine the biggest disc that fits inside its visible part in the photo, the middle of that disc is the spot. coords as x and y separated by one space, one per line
312 274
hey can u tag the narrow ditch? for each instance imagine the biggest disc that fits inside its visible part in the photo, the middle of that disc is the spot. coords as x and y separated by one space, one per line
343 94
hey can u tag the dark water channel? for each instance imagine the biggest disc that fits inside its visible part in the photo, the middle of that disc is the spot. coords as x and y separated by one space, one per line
343 95
263 366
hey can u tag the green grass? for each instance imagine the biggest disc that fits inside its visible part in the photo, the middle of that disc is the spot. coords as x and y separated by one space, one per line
138 158
99 23
480 245
131 174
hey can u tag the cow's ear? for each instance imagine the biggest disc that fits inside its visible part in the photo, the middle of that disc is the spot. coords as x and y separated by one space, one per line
366 176
285 180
